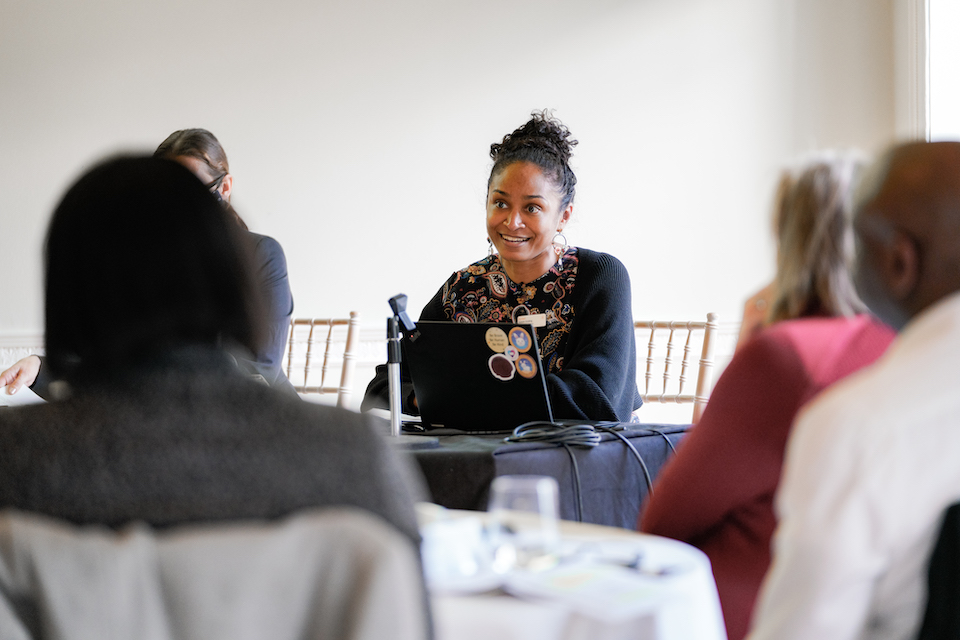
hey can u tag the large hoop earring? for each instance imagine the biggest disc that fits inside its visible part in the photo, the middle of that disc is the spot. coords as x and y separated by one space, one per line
562 244
489 247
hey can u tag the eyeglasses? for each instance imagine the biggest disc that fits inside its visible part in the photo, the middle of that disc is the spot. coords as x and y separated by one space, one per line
215 185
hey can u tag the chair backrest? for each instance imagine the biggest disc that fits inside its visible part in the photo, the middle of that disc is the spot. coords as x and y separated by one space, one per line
663 380
321 573
302 356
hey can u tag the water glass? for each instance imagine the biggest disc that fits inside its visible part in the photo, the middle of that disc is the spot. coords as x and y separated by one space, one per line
524 528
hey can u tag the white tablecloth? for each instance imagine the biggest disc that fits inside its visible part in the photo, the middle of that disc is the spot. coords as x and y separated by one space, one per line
681 604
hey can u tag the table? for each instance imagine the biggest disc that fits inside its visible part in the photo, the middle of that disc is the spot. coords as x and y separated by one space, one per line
611 481
684 606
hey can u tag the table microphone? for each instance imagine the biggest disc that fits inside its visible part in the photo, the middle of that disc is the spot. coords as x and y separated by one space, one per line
398 304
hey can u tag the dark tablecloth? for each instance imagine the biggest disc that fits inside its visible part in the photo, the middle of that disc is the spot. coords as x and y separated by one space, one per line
612 483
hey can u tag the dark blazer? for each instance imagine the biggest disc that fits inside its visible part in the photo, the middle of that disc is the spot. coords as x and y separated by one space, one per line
271 274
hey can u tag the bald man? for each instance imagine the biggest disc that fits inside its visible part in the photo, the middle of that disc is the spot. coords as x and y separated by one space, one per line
873 463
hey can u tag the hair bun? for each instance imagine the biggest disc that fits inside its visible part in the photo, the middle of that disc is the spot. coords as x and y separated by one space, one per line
544 141
543 132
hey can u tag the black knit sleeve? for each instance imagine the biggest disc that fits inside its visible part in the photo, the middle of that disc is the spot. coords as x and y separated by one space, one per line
599 376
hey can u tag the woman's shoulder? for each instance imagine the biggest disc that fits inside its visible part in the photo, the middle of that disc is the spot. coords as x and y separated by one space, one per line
601 272
470 277
819 329
587 260
821 343
484 265
264 243
597 262
489 264
267 251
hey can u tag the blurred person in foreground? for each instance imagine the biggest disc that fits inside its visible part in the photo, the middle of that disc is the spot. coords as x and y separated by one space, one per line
581 297
147 284
717 493
200 152
872 464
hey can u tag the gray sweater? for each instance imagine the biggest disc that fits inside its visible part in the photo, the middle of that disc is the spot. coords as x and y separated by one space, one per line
189 439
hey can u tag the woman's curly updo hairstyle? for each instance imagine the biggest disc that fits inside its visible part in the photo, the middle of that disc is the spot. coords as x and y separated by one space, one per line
545 142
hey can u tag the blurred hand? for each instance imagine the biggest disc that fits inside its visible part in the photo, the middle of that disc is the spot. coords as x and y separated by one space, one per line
23 372
755 314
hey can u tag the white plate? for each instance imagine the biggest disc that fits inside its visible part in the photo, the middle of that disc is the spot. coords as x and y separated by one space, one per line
597 590
480 582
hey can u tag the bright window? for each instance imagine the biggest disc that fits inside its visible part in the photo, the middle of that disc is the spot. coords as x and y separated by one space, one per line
944 69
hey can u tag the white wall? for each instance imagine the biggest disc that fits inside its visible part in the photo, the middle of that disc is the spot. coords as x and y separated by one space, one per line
358 130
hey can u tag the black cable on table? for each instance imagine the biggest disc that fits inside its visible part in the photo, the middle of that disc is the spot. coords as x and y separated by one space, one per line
673 449
636 454
577 435
576 481
582 435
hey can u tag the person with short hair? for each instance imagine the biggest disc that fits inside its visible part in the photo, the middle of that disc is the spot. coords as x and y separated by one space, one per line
717 492
149 284
871 465
587 345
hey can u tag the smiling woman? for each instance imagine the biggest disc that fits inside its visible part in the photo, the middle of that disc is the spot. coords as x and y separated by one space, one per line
583 297
523 217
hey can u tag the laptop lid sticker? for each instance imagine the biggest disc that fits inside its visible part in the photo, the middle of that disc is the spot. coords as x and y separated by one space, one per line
526 366
501 367
496 339
520 339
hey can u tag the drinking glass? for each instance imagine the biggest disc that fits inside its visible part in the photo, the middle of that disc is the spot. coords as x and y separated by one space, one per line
524 530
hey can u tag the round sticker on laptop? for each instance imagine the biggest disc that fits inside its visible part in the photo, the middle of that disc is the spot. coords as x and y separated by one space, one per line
501 367
520 339
526 366
497 339
512 352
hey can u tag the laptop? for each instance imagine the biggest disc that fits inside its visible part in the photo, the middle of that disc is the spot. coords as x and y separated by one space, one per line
477 377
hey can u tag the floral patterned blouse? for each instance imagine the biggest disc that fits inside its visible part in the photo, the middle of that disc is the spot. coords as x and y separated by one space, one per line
482 292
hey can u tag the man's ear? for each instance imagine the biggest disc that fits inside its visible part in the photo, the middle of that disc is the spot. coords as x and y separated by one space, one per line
902 267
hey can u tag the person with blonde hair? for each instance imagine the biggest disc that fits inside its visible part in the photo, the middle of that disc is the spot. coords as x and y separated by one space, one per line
871 467
717 493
